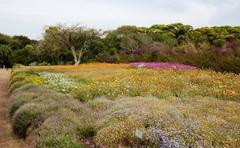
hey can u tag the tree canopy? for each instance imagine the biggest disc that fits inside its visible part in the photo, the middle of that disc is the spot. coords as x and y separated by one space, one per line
73 38
207 47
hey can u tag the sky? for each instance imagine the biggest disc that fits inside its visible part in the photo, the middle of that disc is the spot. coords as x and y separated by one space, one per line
30 17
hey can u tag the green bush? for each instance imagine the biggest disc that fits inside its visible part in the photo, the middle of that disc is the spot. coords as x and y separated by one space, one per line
44 64
33 64
18 65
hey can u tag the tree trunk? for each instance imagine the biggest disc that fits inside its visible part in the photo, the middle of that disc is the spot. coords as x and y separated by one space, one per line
80 55
77 58
74 55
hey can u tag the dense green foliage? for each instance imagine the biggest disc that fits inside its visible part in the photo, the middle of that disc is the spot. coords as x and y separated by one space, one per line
217 48
17 50
71 39
209 47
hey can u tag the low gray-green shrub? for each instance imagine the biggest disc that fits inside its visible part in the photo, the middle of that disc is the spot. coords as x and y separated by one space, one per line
16 85
15 79
31 88
28 93
59 141
30 114
100 103
18 100
58 130
43 114
25 116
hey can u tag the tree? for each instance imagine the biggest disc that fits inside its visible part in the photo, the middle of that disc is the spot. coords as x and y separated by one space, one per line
19 42
128 38
5 39
123 38
24 56
95 47
53 54
74 38
5 55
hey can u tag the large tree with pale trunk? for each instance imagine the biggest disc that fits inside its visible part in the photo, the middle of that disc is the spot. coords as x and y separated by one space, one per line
74 38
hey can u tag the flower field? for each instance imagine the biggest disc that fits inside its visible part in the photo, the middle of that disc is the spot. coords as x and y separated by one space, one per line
87 82
162 65
180 106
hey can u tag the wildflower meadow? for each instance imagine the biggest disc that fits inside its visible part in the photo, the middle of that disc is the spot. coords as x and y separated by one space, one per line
100 104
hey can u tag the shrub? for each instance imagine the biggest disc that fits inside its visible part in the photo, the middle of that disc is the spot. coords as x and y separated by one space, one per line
17 101
119 121
101 103
34 103
26 116
16 85
30 114
121 133
59 141
87 130
33 64
31 88
171 122
31 105
53 98
58 130
44 64
16 78
19 78
18 65
15 71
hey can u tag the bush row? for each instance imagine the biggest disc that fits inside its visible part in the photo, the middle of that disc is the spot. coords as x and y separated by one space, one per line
43 116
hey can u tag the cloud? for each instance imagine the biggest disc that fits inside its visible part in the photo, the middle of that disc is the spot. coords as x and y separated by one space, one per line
28 17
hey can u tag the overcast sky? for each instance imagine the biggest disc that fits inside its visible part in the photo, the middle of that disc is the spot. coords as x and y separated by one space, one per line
29 17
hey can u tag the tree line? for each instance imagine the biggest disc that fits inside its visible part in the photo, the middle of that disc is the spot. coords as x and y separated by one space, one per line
216 48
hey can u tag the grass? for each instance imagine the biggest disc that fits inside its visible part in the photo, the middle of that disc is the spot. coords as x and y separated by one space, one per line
106 103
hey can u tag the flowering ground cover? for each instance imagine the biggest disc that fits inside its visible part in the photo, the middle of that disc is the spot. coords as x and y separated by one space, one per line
162 65
87 82
104 104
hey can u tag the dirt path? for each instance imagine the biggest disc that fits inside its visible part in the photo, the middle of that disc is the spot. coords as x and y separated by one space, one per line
7 138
